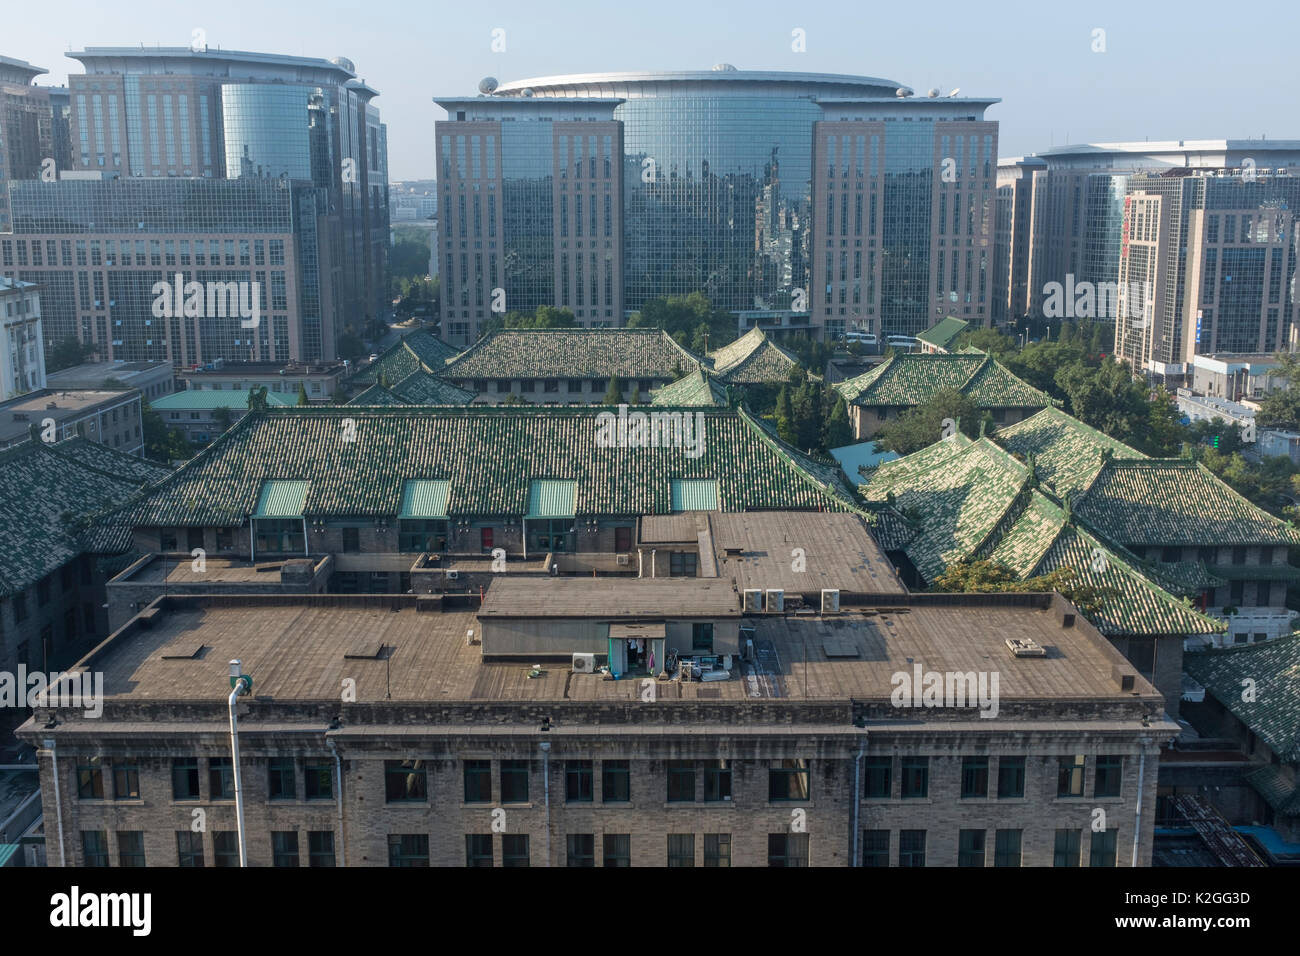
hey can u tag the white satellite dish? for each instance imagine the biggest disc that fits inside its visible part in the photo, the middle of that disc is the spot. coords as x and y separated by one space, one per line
955 91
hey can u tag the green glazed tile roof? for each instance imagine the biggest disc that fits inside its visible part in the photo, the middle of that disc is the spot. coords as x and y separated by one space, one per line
573 353
1173 501
695 388
553 498
694 494
1278 791
424 498
415 352
753 359
945 333
282 499
199 399
1274 666
46 494
376 395
490 455
913 378
1067 453
418 388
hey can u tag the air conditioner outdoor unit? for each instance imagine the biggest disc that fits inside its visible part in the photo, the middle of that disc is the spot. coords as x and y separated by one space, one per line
830 600
621 560
753 600
584 663
452 574
775 600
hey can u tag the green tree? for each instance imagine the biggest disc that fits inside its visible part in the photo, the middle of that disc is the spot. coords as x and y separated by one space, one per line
785 424
838 430
614 394
927 423
302 395
967 576
350 346
65 354
257 399
221 417
992 341
1107 398
160 442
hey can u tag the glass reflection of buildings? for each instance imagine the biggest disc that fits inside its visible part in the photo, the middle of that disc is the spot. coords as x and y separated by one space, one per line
803 202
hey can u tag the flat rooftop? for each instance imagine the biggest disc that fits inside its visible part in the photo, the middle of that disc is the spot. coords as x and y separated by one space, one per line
179 570
19 414
611 597
300 649
93 374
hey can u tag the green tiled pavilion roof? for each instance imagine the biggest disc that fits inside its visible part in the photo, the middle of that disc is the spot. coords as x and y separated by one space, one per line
696 388
46 492
1274 666
197 399
1174 501
489 454
573 353
913 378
944 333
753 359
415 352
1067 453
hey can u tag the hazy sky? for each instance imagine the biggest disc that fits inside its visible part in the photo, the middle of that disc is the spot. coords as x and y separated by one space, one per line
1192 70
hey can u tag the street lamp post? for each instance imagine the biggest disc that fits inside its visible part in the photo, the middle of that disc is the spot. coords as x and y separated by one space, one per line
240 683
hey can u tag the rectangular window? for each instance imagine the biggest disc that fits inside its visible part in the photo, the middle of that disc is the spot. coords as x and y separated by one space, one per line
875 848
717 780
789 780
1069 779
478 781
90 780
1109 774
1006 848
911 848
225 848
514 850
702 637
1104 845
408 849
615 781
94 848
284 847
681 849
580 849
617 849
681 781
280 782
579 782
318 781
682 564
717 849
787 849
1011 778
877 778
514 781
970 848
130 848
916 778
185 778
221 779
320 848
1066 852
405 781
126 782
974 778
351 540
478 849
189 847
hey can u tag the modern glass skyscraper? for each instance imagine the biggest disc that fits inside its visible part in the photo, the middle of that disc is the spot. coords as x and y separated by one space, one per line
806 202
26 127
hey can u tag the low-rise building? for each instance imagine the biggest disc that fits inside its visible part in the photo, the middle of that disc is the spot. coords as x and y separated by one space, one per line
941 338
22 353
1208 408
152 379
203 414
319 382
1235 377
108 416
393 737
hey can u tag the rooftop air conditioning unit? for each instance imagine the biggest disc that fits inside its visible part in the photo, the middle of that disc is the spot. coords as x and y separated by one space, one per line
584 663
775 600
452 574
1023 647
621 560
830 600
753 600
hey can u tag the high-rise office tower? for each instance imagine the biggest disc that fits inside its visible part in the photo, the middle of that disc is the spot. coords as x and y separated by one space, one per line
26 127
1212 256
804 202
1076 194
177 115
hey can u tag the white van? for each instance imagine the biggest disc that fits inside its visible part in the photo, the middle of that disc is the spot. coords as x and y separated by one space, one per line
904 342
861 338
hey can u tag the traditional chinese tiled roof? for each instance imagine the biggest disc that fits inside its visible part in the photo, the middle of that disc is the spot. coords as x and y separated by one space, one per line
573 353
46 492
965 500
696 388
913 378
415 352
376 395
489 454
1067 453
1174 501
944 333
753 359
1272 710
